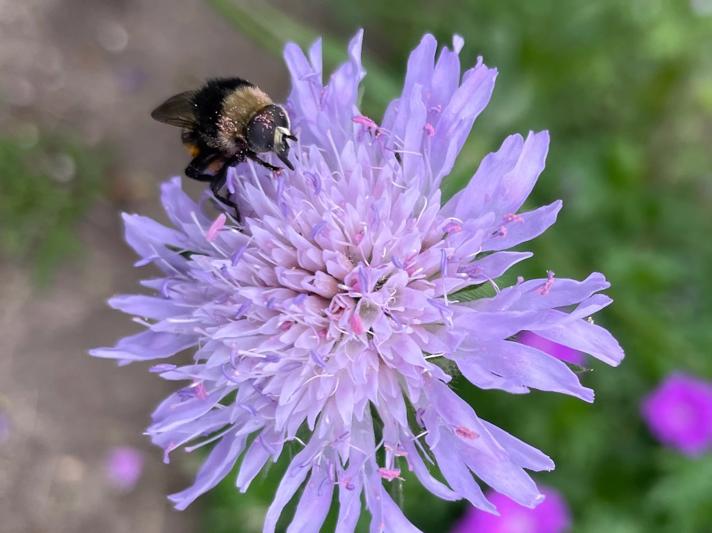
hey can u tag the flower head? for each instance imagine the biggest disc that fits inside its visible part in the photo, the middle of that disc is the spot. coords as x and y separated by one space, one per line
552 516
679 413
321 320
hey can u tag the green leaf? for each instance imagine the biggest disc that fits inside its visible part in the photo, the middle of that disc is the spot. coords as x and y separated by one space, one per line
475 292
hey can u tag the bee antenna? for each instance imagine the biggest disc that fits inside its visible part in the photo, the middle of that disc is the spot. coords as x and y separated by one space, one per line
291 137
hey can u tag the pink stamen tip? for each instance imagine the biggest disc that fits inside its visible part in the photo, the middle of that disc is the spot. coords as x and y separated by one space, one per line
502 231
167 451
513 217
548 283
284 326
356 324
365 121
389 474
200 391
358 237
429 129
215 227
466 433
452 227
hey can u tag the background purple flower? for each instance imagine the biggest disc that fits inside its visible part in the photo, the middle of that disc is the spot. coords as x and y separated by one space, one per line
679 413
552 516
5 426
123 467
344 292
554 349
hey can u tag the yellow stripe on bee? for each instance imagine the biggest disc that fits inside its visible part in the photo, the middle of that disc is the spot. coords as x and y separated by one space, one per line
193 149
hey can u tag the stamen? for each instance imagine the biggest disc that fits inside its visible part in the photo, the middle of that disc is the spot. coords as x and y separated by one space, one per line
358 236
315 180
163 367
317 229
389 474
166 452
356 323
238 254
513 217
547 284
230 375
443 262
366 122
452 227
215 227
272 358
200 391
429 129
466 433
242 310
317 358
363 279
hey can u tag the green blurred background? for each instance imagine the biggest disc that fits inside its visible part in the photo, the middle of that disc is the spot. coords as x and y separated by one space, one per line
625 88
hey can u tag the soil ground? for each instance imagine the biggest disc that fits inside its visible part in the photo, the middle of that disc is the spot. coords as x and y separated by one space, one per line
96 68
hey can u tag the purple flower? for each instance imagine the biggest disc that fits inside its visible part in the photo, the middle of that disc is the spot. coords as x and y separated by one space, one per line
123 466
552 516
554 349
340 296
679 413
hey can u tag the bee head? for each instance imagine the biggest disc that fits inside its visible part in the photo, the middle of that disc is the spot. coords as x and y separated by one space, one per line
268 131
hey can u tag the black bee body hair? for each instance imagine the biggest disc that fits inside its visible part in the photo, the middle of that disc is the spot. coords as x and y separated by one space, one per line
225 122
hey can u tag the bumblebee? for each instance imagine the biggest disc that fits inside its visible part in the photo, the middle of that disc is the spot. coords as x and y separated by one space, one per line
225 122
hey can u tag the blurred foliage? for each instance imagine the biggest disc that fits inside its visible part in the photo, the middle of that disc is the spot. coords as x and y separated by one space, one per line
47 184
626 90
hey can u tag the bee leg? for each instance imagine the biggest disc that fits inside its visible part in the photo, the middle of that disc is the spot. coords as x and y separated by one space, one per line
259 161
217 183
196 169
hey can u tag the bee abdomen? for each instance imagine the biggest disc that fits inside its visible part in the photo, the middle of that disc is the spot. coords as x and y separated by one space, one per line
191 142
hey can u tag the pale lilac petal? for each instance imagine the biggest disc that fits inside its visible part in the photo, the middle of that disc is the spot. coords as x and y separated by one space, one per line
220 461
314 503
456 121
145 346
146 306
292 480
531 225
493 265
520 365
585 337
504 179
521 453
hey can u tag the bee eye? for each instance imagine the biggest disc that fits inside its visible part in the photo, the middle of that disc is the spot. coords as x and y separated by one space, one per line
260 135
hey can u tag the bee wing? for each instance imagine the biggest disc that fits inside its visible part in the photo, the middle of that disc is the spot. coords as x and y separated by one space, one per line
178 110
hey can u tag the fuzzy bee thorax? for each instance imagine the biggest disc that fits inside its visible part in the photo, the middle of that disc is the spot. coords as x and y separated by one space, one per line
237 110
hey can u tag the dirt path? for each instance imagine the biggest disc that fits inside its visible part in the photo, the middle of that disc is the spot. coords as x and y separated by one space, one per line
96 68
